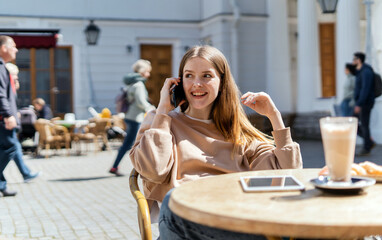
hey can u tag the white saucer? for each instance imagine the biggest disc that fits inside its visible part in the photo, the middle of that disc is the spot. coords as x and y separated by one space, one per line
354 185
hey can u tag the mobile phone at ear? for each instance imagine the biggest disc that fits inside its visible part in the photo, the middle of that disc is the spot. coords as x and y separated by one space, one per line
177 94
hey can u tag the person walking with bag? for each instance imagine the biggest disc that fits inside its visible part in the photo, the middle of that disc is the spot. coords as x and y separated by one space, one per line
364 100
18 158
9 122
137 97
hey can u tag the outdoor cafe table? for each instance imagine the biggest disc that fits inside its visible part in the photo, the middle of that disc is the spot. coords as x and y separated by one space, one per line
220 202
68 124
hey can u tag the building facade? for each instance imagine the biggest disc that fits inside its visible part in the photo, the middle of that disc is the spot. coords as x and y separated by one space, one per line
287 48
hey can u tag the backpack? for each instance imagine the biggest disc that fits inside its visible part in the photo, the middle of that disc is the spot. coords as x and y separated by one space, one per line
377 85
122 103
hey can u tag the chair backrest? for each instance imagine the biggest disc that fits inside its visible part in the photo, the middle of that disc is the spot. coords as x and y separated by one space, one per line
118 122
44 129
101 125
144 219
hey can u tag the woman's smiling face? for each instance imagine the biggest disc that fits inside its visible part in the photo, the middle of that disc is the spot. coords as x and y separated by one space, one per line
201 84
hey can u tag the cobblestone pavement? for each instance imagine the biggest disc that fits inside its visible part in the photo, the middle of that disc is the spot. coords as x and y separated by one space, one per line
76 197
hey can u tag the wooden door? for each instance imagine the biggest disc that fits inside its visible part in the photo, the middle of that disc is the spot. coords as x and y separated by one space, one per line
161 62
328 59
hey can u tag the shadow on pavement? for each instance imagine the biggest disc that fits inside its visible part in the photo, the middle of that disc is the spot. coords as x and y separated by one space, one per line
80 179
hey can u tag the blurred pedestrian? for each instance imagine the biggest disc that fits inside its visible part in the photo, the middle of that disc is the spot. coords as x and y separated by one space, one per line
8 112
14 72
138 98
347 103
18 158
42 109
364 100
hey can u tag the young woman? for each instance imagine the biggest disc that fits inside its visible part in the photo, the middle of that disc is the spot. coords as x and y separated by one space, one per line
210 135
348 102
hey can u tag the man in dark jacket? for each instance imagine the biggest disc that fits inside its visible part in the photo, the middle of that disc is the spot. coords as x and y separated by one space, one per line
364 100
42 109
8 112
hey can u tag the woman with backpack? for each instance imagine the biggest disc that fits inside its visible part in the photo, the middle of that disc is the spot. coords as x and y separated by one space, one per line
347 103
137 106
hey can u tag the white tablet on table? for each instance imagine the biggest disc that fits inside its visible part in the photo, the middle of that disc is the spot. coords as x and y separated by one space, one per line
271 183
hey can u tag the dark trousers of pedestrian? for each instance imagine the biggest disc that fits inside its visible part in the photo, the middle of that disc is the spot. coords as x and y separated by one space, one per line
24 170
9 145
364 127
132 128
346 109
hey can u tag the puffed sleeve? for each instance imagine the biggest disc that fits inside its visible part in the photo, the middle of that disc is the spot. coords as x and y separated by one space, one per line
285 155
152 153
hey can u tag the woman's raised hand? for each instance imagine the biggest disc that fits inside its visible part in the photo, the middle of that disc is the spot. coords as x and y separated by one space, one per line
165 105
262 103
259 102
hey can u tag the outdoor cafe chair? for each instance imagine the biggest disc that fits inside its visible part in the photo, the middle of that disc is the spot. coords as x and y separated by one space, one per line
143 211
99 127
118 128
52 136
83 136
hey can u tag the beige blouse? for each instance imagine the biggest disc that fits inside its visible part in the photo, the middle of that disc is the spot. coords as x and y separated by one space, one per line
172 149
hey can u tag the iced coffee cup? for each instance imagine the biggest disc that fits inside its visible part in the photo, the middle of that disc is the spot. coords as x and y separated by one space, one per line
339 137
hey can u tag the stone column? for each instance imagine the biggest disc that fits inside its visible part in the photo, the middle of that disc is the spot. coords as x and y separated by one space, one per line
377 35
347 40
278 61
308 58
376 113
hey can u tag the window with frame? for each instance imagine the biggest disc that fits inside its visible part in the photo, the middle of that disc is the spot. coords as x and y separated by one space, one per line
46 73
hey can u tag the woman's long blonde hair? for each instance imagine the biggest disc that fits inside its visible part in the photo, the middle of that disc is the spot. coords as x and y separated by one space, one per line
227 112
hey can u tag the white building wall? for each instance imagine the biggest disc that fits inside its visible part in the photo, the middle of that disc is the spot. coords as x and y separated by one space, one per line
376 114
110 60
278 56
210 8
252 55
179 23
293 37
250 7
115 9
347 41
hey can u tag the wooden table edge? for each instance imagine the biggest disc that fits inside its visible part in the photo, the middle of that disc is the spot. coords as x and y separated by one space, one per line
268 228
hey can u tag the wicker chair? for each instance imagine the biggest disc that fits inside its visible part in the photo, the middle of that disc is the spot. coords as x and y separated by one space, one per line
118 125
83 136
143 212
52 136
98 127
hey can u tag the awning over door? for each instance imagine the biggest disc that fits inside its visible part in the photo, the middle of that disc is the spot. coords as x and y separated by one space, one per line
33 38
34 41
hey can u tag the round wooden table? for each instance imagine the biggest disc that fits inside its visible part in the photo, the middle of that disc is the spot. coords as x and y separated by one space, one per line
220 202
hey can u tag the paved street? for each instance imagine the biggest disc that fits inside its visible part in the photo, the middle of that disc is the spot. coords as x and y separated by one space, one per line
76 198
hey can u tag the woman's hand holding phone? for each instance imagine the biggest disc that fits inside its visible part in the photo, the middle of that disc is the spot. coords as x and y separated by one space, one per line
165 105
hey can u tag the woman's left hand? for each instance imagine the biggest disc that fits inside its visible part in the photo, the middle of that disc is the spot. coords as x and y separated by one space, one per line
259 102
262 103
